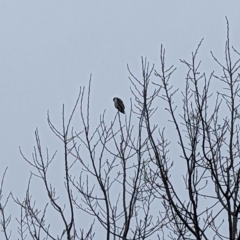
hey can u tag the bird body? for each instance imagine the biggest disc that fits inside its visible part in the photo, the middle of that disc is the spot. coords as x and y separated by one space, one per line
118 103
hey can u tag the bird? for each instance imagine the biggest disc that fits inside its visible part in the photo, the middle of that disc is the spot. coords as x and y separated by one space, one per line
118 103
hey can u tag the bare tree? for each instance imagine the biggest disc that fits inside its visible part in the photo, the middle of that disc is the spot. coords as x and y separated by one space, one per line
5 219
134 177
208 135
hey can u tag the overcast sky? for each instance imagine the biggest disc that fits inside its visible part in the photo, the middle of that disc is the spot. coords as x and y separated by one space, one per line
48 49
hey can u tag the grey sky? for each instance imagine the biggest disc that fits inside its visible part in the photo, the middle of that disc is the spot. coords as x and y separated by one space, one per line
48 49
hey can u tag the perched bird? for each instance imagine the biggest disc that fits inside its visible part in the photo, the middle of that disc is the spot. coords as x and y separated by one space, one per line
118 103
